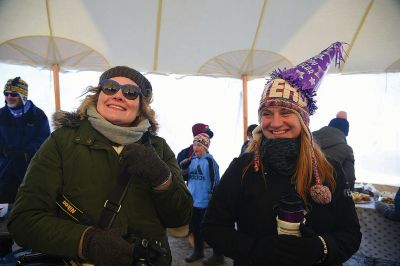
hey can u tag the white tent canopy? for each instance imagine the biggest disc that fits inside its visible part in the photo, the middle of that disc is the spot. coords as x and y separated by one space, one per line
208 37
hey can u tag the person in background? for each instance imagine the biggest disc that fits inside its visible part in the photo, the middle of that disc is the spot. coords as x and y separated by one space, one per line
185 155
391 212
23 128
111 138
332 140
249 137
203 177
284 163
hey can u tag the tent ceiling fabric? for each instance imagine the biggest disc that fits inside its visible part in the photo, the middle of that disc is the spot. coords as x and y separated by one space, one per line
238 63
45 51
207 37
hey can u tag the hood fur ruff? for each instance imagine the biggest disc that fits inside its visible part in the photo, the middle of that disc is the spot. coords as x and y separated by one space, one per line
66 119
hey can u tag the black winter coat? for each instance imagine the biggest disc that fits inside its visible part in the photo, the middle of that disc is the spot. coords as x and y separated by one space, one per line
241 211
333 143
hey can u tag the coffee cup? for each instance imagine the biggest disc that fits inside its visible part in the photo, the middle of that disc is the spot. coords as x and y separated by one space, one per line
290 214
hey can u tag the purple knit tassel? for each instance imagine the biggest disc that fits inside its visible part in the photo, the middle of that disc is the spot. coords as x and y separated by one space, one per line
338 53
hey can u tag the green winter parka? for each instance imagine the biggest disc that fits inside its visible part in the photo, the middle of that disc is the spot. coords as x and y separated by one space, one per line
76 161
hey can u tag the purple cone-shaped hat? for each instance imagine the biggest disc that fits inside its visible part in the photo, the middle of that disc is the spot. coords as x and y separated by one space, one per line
301 82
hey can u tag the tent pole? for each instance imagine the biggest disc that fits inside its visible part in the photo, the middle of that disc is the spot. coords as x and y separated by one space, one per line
56 73
245 117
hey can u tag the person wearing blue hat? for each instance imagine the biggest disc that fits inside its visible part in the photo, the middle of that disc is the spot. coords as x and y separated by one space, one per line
332 139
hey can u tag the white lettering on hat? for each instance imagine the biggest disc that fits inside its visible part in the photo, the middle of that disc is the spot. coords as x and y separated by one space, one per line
307 67
281 89
312 62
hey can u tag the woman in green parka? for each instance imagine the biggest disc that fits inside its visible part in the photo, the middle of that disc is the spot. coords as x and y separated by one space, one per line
61 206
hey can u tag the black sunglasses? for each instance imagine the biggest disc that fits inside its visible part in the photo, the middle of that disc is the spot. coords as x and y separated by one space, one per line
12 94
111 87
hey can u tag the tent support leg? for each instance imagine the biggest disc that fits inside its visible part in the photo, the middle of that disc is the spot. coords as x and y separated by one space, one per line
56 73
245 114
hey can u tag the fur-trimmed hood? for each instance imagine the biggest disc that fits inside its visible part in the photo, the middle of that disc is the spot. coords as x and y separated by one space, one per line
66 119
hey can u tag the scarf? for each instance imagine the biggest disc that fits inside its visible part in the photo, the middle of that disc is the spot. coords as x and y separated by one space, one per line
19 111
280 155
117 134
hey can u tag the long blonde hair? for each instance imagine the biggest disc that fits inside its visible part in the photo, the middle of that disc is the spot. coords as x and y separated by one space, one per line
303 176
146 112
309 151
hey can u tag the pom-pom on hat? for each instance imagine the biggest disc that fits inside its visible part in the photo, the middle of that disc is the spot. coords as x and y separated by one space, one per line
132 74
202 128
203 139
295 88
19 86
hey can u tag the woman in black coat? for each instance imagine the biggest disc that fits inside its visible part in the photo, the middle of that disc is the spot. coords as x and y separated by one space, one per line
284 168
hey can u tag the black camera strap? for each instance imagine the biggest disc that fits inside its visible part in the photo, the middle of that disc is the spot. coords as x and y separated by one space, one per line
112 206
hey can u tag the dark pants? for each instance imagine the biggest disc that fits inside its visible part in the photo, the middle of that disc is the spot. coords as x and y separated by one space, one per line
195 228
9 184
5 238
5 246
197 217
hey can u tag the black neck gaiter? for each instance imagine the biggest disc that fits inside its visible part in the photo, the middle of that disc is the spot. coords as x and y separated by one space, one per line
280 155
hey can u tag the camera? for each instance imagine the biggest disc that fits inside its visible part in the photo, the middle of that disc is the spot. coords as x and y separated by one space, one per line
147 251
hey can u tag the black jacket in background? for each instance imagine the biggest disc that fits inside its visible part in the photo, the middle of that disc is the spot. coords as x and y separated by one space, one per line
333 143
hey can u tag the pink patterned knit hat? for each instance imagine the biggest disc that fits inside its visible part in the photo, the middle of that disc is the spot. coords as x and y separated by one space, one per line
203 139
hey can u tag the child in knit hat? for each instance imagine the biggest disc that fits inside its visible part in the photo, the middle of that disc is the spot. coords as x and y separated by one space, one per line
203 176
283 161
185 155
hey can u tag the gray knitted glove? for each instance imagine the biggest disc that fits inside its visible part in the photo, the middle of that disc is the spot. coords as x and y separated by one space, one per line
144 162
381 207
387 211
107 247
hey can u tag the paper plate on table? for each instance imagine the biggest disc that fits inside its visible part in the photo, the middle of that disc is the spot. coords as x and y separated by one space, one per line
363 202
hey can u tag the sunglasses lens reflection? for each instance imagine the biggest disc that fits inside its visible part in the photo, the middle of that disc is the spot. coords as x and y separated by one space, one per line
109 90
131 92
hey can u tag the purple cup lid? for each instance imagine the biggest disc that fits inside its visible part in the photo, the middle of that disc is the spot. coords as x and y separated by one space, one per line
291 216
